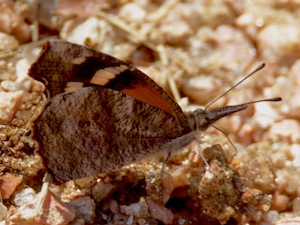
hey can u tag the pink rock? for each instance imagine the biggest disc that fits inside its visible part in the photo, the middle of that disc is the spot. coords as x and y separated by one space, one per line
294 103
175 178
296 204
139 210
247 23
114 206
176 32
283 47
265 114
24 196
234 48
82 8
102 190
159 212
288 221
227 49
280 202
85 208
8 42
246 134
294 73
12 21
3 211
111 205
288 128
126 12
201 86
9 105
47 211
8 185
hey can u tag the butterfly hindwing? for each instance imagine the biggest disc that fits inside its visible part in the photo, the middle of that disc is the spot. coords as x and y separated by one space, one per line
119 131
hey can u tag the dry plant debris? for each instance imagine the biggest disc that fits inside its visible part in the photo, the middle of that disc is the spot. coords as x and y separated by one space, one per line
195 50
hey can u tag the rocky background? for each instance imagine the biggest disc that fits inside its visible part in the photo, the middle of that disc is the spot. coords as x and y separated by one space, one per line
196 50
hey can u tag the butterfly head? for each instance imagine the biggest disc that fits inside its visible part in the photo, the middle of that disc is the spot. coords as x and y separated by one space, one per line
200 119
203 119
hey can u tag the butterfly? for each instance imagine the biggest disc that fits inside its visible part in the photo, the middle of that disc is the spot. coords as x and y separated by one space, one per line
104 113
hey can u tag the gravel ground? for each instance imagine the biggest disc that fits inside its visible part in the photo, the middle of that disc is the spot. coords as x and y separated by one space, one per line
195 50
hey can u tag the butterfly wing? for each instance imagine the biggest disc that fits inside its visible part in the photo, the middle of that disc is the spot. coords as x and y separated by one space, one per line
68 67
96 130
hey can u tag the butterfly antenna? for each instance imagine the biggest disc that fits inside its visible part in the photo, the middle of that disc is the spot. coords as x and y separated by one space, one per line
237 84
227 110
276 99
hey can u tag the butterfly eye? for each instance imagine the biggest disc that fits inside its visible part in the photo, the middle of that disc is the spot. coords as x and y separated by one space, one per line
204 124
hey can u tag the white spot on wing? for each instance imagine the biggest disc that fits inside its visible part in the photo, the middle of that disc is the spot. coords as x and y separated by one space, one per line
73 86
78 60
103 76
106 74
117 69
101 81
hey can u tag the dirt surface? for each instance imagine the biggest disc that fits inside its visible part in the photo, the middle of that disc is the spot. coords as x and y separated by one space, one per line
195 50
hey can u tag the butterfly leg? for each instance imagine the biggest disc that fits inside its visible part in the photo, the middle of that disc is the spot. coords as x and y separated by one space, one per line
200 152
161 175
226 138
165 161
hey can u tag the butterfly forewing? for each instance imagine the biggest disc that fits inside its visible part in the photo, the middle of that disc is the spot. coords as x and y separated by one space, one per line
67 67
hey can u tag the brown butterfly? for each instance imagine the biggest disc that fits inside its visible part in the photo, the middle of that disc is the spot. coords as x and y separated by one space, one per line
105 113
